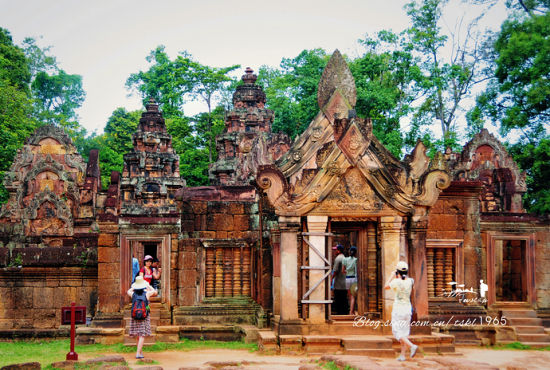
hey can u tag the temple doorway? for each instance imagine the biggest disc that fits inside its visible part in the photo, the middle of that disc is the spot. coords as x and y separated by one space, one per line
362 235
510 270
138 247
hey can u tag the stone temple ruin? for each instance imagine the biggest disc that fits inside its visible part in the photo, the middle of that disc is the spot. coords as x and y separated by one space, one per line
249 256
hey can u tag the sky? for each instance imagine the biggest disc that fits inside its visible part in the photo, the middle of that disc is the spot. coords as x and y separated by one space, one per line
106 41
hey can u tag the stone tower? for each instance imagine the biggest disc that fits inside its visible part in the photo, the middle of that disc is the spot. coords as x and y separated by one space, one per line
151 174
247 140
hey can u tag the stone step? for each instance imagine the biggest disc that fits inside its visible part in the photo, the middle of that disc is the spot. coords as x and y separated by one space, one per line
519 313
529 329
372 327
388 353
534 338
524 321
361 342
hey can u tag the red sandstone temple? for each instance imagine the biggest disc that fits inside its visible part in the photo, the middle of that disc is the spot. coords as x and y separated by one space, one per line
250 257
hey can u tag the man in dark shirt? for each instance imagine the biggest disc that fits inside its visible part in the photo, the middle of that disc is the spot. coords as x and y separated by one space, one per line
339 276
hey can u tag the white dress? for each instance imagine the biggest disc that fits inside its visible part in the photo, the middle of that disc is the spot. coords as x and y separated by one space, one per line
402 308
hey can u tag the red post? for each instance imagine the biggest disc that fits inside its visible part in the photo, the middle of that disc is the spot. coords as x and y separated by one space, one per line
72 355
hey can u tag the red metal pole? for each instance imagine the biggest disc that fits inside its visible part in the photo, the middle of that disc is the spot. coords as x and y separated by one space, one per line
72 355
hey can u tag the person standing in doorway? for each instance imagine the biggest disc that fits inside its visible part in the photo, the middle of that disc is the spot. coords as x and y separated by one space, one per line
339 279
351 277
147 272
157 271
401 314
140 328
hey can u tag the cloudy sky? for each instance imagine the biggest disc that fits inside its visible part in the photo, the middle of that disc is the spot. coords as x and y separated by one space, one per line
107 40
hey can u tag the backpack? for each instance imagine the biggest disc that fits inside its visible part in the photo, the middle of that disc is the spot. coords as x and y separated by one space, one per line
140 306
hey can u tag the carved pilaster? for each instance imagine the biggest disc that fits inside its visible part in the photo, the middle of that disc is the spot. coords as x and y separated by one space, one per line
390 231
290 226
418 265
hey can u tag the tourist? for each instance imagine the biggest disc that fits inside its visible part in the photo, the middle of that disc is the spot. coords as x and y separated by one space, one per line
147 272
141 328
401 314
339 282
135 268
351 277
155 283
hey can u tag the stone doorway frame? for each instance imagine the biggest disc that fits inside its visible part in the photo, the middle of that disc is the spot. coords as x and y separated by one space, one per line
367 233
126 241
529 239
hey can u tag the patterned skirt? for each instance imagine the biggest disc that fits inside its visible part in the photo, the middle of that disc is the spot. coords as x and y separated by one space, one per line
140 328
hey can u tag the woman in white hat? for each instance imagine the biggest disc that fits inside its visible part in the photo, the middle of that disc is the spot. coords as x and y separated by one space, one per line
401 314
141 328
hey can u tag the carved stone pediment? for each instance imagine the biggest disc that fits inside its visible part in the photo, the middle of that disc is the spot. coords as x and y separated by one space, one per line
337 166
45 183
485 159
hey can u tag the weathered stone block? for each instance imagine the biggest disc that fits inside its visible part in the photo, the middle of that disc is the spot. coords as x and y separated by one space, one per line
189 260
43 297
24 296
108 254
216 207
107 240
207 234
199 207
221 234
241 222
235 208
219 222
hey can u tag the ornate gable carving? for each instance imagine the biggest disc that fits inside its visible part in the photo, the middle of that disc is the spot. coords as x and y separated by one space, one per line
485 159
46 182
337 166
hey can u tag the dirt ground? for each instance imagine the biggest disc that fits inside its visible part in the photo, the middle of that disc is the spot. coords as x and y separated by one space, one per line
465 358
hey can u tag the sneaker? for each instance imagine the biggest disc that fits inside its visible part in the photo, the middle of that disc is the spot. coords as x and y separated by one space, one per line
139 356
413 350
401 358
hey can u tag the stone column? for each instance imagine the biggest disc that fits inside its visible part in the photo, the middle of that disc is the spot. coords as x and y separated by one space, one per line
418 266
290 227
317 224
276 244
390 230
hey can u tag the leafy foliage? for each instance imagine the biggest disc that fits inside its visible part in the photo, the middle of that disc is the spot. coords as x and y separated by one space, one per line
535 160
172 83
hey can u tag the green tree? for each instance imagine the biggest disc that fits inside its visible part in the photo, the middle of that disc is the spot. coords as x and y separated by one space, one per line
14 69
517 95
291 90
166 81
384 77
174 82
444 83
535 161
208 84
16 122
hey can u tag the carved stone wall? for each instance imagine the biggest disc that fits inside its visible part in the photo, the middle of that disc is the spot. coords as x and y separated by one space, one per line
247 141
48 233
151 176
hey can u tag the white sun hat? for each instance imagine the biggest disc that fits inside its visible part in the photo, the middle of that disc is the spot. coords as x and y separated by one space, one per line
139 283
402 266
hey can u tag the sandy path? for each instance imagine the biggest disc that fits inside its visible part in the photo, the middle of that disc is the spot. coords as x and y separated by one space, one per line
168 360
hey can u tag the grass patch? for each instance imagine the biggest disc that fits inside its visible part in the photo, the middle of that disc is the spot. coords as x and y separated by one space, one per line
331 365
48 351
518 346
